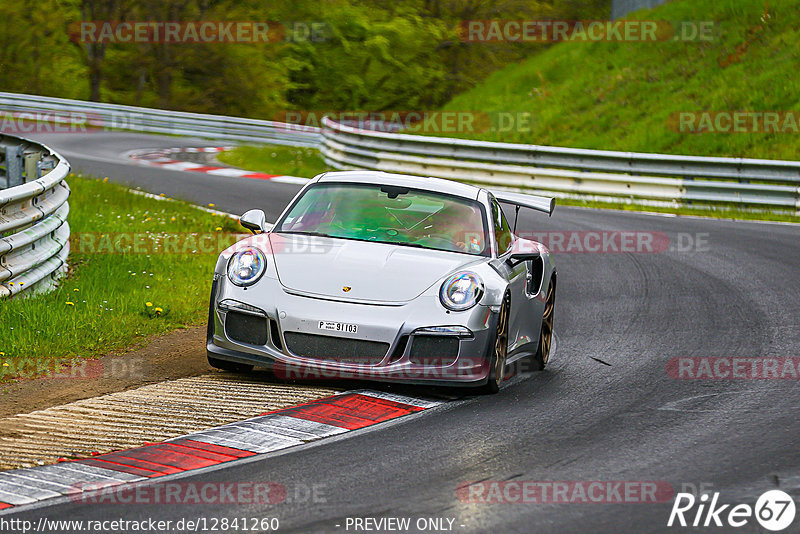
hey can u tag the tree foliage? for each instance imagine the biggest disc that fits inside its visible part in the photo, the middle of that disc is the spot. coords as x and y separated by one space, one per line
375 54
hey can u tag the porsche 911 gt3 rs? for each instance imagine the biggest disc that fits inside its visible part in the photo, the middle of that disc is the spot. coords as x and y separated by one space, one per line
385 277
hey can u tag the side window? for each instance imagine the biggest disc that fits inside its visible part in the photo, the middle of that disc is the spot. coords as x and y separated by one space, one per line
502 231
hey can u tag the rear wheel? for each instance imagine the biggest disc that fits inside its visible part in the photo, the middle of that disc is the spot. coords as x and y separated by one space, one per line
226 365
546 335
498 350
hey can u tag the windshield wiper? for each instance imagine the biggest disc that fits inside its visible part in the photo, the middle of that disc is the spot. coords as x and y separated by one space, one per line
301 232
415 245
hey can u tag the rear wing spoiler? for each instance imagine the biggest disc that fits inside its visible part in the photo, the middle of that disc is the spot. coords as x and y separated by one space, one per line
534 202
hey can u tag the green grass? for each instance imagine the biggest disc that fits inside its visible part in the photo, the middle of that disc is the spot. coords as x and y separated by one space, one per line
101 305
276 159
716 212
622 96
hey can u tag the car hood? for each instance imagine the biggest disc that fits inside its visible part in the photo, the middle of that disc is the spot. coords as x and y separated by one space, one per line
376 272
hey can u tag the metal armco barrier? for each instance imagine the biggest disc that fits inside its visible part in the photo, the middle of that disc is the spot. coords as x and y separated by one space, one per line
649 179
34 233
75 113
655 179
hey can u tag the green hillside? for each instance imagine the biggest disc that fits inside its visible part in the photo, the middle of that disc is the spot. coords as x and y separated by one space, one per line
627 95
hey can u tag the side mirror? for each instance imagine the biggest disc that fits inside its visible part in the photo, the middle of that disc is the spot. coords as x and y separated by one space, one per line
521 257
254 220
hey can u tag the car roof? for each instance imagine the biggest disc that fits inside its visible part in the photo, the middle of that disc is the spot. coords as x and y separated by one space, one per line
437 185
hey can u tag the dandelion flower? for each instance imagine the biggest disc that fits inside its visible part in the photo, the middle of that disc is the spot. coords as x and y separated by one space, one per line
158 311
211 205
148 304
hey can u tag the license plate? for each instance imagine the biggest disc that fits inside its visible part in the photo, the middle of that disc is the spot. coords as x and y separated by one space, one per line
338 327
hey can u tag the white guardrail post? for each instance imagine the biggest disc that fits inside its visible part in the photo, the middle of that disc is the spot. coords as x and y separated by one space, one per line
650 179
34 233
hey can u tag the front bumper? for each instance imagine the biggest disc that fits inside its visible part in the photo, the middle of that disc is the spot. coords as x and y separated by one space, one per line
396 328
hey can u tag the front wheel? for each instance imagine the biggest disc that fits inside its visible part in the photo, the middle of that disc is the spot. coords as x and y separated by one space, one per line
498 350
546 335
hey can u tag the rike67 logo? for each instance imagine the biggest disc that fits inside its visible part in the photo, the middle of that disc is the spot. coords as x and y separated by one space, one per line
774 511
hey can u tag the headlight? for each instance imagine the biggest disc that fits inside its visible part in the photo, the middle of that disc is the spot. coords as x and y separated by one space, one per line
246 266
461 291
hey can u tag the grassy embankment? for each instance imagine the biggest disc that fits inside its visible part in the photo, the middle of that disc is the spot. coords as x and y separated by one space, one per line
112 300
628 96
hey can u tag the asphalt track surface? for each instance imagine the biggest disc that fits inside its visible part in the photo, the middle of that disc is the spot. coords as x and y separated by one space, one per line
605 409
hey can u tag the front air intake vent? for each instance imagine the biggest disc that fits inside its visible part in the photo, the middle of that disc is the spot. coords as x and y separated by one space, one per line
336 349
437 351
246 328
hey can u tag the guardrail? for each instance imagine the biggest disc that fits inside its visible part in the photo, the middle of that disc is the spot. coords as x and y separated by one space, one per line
654 179
73 113
650 179
34 233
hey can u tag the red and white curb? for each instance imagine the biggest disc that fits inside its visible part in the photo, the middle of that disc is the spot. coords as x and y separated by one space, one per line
165 158
273 431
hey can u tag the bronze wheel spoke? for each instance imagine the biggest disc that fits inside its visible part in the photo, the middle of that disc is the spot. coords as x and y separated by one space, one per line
546 335
501 344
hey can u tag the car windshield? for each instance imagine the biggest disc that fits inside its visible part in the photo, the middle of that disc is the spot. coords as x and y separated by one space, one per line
389 214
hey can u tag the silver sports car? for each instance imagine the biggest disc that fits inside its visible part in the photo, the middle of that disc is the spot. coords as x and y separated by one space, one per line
385 277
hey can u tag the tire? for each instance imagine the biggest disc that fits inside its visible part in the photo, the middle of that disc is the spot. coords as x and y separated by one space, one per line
546 335
226 365
498 350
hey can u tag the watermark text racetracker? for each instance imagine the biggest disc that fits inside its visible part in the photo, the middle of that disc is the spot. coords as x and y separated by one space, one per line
67 122
565 492
413 121
731 122
202 31
549 31
617 241
734 368
199 493
71 369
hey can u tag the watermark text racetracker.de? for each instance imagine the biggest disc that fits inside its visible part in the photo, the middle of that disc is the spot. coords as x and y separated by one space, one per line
201 31
412 121
68 122
565 492
55 368
199 493
549 31
618 241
